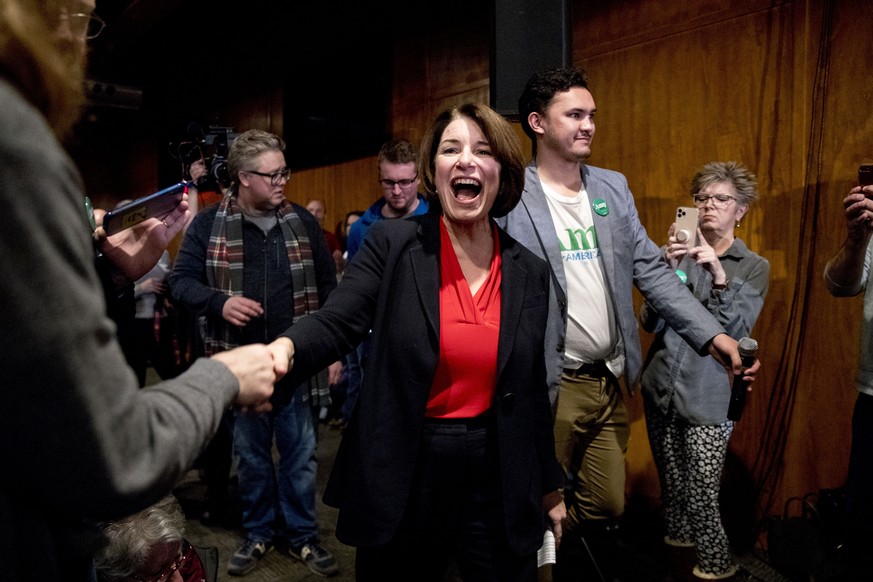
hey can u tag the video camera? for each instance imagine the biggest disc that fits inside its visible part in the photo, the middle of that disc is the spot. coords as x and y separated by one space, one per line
211 146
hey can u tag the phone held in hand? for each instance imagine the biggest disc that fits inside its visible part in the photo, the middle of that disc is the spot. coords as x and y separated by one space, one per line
154 205
686 225
865 174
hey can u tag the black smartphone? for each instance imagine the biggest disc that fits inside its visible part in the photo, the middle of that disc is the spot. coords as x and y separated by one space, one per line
152 206
865 174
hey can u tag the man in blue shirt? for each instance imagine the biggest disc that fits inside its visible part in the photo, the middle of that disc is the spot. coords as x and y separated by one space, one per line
398 175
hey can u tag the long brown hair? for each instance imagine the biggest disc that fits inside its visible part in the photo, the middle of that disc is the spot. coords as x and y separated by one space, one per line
34 60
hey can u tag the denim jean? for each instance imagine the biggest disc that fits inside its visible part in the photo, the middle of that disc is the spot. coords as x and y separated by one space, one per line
286 489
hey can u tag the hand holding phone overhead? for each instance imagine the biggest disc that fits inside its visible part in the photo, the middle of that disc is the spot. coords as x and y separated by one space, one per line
865 174
154 205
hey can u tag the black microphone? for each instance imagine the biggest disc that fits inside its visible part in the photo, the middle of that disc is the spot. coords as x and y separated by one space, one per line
748 351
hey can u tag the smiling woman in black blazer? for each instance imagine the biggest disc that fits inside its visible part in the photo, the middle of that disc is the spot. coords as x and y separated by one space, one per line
449 453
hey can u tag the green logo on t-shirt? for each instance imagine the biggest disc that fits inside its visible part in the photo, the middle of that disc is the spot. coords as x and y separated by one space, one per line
600 206
682 276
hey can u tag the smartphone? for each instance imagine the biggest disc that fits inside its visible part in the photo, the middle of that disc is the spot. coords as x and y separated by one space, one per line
686 225
152 206
865 174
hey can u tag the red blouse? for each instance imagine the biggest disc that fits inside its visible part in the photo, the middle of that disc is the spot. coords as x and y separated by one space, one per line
466 375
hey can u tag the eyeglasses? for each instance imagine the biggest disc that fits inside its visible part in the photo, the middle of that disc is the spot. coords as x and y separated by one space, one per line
718 200
404 184
186 552
275 178
80 23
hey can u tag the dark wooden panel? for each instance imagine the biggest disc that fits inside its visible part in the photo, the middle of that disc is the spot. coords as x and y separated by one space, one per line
738 81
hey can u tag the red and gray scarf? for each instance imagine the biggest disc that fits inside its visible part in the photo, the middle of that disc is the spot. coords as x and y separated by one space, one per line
224 272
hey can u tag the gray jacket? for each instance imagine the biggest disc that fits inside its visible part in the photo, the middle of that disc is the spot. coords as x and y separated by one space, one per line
80 440
675 377
629 258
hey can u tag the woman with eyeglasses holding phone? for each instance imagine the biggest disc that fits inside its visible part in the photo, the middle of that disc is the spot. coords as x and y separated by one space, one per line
686 395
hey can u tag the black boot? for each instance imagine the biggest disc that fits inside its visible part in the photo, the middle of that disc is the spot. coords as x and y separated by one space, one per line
590 551
681 559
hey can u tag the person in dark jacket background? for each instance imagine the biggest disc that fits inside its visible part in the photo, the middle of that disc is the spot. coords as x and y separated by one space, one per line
254 265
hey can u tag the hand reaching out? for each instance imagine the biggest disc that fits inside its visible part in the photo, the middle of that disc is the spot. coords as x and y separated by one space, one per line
254 368
283 355
725 351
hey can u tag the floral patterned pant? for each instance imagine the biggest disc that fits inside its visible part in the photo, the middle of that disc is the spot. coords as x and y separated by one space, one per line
690 459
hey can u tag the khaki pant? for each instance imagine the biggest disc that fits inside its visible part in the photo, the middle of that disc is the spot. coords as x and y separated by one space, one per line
592 429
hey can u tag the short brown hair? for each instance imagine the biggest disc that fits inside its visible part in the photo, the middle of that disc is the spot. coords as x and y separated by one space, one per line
398 151
249 145
505 146
744 182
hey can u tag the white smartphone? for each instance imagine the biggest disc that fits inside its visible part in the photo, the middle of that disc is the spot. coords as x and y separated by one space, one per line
686 225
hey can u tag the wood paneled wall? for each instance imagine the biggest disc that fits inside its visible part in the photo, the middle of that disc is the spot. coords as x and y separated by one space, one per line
781 86
773 85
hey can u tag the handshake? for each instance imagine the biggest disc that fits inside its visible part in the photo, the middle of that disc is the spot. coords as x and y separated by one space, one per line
257 368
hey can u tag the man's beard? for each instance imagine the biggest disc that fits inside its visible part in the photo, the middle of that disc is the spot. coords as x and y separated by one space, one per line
74 58
582 156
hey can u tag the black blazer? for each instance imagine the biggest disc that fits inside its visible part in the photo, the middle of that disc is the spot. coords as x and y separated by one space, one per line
392 286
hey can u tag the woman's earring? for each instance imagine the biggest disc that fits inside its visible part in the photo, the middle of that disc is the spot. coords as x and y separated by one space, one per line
737 225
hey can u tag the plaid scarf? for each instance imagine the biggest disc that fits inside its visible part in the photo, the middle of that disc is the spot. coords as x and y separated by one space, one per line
224 272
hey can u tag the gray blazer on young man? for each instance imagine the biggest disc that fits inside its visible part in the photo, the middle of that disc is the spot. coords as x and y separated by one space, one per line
628 257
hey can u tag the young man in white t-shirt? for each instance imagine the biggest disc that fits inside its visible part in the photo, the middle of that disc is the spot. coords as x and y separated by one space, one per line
583 221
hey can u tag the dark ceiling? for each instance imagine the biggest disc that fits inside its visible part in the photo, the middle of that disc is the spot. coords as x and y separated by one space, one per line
169 59
158 39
